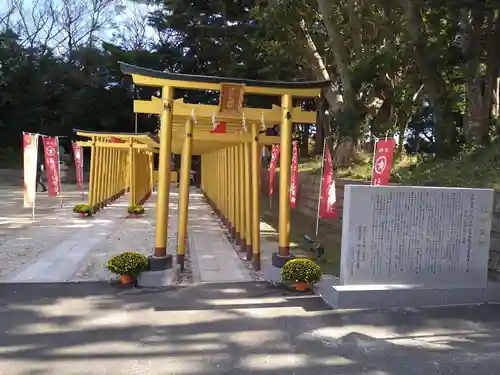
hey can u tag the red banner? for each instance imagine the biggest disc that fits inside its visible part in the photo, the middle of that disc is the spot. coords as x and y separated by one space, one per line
220 127
275 153
327 209
51 148
294 183
382 161
78 155
30 154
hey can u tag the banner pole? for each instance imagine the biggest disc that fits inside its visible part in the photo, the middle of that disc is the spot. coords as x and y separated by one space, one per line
373 159
59 171
36 182
81 171
320 186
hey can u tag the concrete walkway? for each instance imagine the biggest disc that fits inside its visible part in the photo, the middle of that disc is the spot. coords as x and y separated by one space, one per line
60 247
61 262
213 258
232 328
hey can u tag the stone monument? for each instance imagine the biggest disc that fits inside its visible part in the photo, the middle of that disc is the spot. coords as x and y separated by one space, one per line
412 246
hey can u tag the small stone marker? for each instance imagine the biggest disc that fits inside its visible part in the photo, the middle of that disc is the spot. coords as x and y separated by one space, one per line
423 236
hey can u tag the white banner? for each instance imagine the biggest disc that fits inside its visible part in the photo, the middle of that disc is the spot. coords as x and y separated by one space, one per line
30 147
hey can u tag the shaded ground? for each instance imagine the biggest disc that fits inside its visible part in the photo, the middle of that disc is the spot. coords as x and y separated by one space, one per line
249 328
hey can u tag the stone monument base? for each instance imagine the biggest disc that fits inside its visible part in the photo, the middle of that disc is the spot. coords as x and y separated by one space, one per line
157 279
402 296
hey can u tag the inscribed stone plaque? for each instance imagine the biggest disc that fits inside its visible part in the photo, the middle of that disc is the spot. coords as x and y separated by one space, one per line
426 236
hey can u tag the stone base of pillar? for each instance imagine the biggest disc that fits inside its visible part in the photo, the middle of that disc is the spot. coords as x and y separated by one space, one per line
279 261
243 245
156 279
159 263
256 261
180 261
249 251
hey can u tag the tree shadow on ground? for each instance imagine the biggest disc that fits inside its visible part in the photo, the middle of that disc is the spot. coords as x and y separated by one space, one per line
233 328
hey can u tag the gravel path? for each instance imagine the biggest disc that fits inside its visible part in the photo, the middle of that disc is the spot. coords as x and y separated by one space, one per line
23 240
135 234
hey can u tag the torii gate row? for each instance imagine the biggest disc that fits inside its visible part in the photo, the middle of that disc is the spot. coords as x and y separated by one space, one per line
230 162
119 162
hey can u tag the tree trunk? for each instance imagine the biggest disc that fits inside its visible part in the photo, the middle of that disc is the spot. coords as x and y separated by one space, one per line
304 144
496 99
433 81
337 45
470 41
491 85
322 122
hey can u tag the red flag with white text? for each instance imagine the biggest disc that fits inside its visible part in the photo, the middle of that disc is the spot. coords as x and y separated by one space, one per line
275 153
219 127
327 208
78 155
382 161
51 150
294 181
30 155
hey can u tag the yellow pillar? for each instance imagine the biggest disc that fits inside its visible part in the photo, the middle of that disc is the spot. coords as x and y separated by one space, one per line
118 174
255 197
99 175
231 191
139 169
202 159
163 260
121 179
223 187
107 176
248 200
92 177
237 213
131 174
151 172
209 180
284 198
235 192
184 194
241 195
112 177
218 181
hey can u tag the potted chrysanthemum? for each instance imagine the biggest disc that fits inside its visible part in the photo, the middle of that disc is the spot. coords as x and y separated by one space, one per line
136 210
128 265
302 272
82 209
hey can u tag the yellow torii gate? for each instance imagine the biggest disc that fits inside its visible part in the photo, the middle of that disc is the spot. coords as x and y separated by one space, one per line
119 162
230 162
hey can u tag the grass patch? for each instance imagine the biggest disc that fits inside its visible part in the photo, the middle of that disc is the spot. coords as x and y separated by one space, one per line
479 167
475 167
300 225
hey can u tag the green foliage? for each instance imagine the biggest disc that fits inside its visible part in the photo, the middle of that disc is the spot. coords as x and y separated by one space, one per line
136 209
301 270
46 91
129 263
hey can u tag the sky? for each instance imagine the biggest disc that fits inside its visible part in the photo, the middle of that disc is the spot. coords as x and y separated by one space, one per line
130 8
